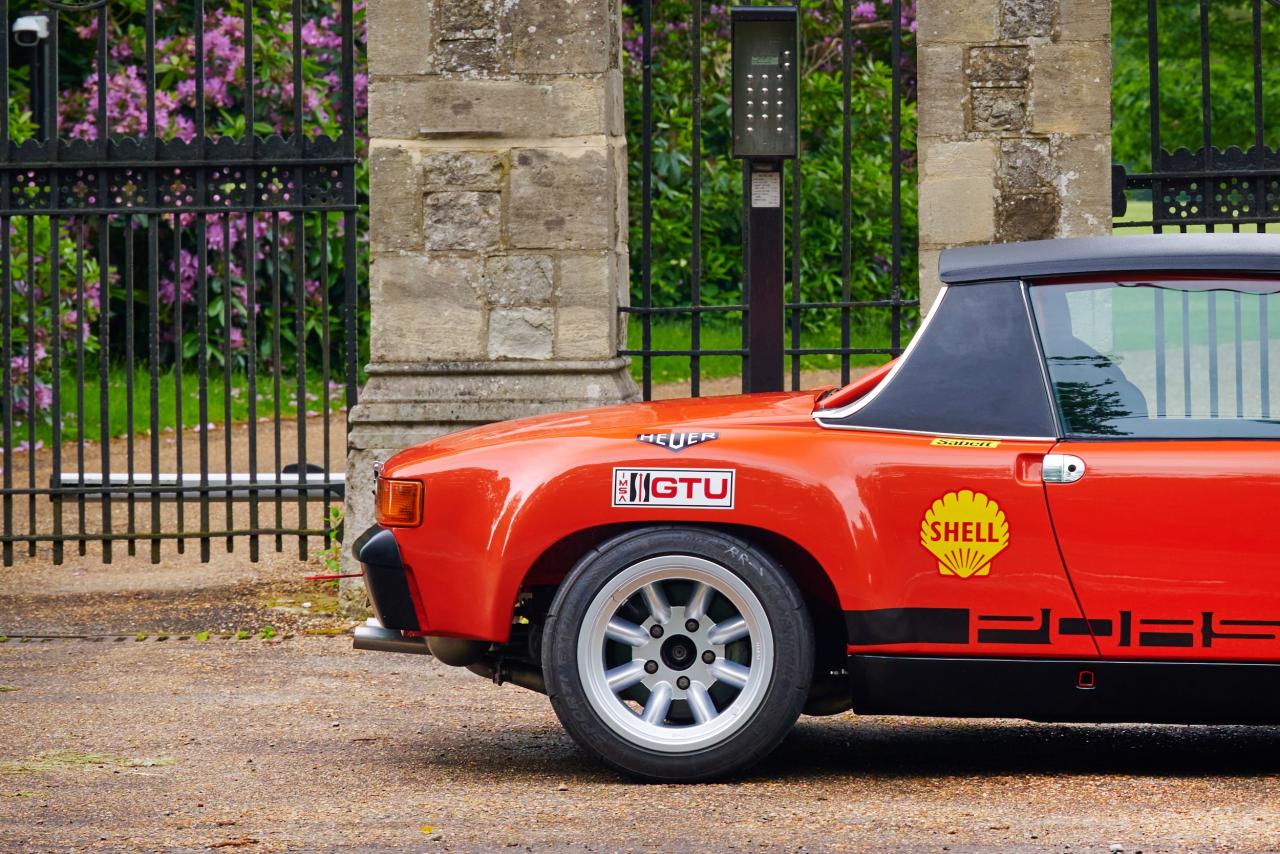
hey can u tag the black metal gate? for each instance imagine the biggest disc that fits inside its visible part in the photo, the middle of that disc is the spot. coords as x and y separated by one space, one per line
179 272
1195 83
851 227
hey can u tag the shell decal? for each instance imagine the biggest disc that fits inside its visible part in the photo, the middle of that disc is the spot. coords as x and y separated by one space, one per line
965 531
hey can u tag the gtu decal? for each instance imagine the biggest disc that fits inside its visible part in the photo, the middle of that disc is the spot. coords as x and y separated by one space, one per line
965 531
712 488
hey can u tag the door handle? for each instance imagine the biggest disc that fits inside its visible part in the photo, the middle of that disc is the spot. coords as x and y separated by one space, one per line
1062 468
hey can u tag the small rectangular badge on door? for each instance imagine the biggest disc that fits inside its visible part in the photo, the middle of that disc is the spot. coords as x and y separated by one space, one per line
710 488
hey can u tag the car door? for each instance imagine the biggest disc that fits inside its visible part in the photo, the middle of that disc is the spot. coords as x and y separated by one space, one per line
956 554
1164 492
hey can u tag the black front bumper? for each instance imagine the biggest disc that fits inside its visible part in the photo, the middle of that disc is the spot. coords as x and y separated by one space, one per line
386 579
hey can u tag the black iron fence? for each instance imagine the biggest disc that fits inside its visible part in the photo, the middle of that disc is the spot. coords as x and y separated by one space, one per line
179 266
1195 83
852 285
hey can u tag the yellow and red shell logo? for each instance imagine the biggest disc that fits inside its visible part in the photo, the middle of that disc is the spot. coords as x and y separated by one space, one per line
965 531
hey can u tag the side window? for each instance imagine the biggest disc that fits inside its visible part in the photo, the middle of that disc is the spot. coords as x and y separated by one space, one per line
1163 360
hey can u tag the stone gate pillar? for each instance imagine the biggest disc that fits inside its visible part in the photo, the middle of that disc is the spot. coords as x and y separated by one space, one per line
498 220
1015 123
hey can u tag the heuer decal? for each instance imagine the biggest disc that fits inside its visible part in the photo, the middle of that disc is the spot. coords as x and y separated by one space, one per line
677 441
711 488
965 531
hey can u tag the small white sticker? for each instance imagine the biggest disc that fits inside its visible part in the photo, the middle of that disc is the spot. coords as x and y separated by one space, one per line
766 189
673 488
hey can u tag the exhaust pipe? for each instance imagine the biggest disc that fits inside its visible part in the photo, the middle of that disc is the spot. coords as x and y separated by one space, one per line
372 636
515 672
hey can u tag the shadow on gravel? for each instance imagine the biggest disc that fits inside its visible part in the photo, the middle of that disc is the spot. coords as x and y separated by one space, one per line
919 747
883 747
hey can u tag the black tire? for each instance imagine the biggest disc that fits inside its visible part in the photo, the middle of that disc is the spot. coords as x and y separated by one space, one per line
787 680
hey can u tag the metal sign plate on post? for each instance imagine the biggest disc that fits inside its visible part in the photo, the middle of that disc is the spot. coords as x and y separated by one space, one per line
766 189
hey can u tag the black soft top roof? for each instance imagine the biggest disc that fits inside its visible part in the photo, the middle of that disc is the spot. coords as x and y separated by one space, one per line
1235 253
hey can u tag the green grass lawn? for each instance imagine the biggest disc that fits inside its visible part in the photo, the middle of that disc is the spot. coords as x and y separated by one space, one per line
666 335
678 335
1140 211
119 395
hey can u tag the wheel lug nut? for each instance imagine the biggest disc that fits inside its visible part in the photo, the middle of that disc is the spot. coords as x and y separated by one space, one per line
651 667
682 683
708 656
656 631
690 625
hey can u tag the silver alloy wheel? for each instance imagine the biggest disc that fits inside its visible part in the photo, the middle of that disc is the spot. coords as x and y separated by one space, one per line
640 677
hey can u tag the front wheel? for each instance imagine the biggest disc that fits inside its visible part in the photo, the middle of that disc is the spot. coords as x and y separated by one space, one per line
678 654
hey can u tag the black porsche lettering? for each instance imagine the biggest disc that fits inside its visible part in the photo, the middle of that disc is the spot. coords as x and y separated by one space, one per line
951 626
1208 634
1074 626
1038 635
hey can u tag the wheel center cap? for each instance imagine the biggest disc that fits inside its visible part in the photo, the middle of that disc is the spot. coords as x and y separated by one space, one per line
679 653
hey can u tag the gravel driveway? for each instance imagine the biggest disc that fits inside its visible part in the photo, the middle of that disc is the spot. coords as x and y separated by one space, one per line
299 743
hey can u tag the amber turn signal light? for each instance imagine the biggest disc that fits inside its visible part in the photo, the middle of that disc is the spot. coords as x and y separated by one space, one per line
399 503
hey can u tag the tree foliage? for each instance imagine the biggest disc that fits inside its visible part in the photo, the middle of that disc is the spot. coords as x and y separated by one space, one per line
821 162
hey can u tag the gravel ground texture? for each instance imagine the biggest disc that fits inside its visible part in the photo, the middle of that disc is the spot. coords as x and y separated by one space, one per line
146 738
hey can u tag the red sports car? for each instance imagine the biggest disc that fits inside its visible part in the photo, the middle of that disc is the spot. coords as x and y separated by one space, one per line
1060 504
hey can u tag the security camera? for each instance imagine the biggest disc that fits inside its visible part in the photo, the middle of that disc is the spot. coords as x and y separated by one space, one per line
30 30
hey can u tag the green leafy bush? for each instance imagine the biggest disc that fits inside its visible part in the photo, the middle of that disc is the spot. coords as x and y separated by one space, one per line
1231 76
821 189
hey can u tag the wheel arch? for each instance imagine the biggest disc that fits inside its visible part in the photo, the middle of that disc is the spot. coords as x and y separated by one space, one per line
555 562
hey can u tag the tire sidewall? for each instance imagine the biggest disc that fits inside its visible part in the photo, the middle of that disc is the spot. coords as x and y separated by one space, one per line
783 697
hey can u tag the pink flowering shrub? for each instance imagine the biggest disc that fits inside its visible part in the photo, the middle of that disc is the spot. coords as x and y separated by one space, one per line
32 299
244 254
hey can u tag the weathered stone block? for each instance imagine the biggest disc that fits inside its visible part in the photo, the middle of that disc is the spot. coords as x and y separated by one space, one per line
405 108
615 107
1000 66
471 170
426 308
1071 88
942 88
1027 216
395 199
462 220
1084 185
955 21
399 32
1084 20
568 36
518 279
1025 164
930 284
586 279
469 56
993 110
561 199
1025 19
957 193
957 211
942 161
464 16
521 333
584 333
